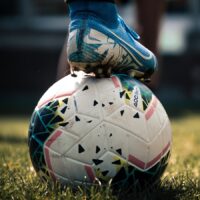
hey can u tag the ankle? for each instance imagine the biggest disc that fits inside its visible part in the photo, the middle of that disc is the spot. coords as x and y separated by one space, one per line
104 10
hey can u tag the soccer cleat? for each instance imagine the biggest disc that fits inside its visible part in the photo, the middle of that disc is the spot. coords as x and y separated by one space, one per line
94 47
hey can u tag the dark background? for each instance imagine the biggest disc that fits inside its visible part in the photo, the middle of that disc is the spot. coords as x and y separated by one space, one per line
32 34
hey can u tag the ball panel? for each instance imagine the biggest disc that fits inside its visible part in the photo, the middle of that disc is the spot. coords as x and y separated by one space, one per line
137 149
109 95
109 166
123 142
130 120
166 134
161 113
116 139
152 119
66 108
81 125
60 166
65 87
156 151
54 163
89 147
87 106
60 141
79 171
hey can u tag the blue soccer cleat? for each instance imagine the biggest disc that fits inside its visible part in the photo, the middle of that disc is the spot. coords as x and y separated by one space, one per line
95 47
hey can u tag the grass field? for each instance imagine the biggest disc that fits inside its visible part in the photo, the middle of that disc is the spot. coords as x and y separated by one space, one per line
19 181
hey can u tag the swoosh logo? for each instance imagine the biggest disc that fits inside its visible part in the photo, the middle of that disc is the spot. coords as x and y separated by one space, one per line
102 40
131 47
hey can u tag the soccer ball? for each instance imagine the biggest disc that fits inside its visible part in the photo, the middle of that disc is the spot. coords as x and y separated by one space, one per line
111 129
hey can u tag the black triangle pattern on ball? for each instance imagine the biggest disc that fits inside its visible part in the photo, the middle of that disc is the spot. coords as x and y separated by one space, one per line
85 88
37 157
63 110
121 94
116 162
95 103
47 118
127 97
57 119
119 151
39 126
80 149
48 104
45 111
54 104
104 173
54 108
65 100
136 115
64 124
97 161
98 149
122 112
120 176
144 105
130 169
39 136
50 129
77 119
43 123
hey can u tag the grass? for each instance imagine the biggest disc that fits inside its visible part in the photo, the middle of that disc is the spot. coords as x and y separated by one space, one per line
19 181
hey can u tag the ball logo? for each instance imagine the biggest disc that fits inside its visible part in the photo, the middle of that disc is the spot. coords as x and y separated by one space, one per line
135 97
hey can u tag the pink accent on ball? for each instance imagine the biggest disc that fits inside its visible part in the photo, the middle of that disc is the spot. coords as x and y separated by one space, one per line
151 109
67 94
140 164
48 144
115 81
136 161
90 173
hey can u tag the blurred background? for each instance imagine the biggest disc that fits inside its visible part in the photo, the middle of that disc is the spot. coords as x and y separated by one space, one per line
33 32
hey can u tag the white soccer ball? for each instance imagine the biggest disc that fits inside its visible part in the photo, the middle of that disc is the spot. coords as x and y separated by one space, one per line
85 129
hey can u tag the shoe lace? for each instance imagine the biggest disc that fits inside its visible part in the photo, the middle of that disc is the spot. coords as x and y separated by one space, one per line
129 29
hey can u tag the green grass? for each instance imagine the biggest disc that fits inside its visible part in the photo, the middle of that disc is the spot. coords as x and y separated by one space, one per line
19 181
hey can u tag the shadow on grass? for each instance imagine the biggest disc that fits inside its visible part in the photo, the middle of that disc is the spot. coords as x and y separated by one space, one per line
180 187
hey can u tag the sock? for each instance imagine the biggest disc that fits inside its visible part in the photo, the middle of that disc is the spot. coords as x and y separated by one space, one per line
104 9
